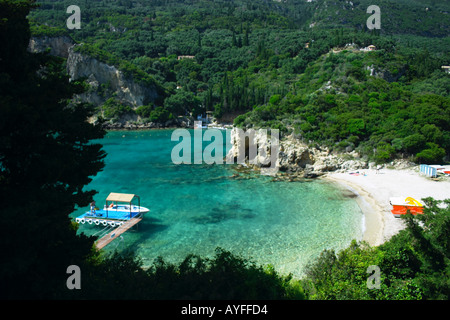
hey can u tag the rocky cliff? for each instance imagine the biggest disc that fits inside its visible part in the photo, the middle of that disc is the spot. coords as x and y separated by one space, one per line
293 156
59 46
106 81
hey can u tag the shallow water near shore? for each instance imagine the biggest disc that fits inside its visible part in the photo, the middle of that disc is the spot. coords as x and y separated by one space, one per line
197 208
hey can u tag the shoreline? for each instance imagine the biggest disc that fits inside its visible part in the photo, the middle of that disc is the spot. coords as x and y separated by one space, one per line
373 214
117 126
373 191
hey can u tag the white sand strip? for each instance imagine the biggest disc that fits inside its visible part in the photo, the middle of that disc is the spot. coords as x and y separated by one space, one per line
375 189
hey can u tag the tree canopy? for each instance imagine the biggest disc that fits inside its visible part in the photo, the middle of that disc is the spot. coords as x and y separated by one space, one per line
243 54
261 62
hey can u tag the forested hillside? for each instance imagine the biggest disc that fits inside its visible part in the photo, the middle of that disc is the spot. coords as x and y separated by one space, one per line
291 65
419 17
259 59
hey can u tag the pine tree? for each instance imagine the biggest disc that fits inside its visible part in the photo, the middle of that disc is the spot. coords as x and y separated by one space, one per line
245 41
46 159
239 42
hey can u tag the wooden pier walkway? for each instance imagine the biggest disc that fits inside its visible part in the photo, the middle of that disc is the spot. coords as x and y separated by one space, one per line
109 237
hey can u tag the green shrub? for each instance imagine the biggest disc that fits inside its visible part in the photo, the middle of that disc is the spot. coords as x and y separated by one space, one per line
433 154
43 30
225 276
160 115
384 153
275 99
356 126
305 126
239 120
113 109
144 111
414 143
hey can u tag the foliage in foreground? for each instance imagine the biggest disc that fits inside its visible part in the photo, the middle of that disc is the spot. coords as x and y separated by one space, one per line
414 264
46 159
225 276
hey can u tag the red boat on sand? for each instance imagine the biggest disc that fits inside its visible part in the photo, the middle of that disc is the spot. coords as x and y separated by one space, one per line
402 205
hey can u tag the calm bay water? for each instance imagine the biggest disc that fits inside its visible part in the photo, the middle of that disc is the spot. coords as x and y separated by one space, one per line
197 208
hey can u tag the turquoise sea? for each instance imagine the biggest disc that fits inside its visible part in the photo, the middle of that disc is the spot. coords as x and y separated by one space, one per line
198 207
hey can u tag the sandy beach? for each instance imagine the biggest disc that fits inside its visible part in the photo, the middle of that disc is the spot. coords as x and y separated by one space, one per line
374 190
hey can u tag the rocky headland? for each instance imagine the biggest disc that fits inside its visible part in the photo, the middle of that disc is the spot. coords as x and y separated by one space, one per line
296 160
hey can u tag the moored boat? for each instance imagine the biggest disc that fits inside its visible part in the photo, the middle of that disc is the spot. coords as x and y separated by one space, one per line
119 207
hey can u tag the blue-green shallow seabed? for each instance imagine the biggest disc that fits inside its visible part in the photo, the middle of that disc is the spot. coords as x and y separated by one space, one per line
197 208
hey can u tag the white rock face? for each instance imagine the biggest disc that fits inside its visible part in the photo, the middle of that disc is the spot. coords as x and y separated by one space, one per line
258 147
59 46
98 73
292 155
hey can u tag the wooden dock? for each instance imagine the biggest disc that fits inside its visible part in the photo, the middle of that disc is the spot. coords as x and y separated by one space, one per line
109 237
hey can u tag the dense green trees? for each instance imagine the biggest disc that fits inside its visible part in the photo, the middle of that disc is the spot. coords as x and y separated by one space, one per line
353 99
181 102
245 53
223 276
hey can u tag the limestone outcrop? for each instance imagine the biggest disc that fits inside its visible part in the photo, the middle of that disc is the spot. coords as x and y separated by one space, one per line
105 81
293 156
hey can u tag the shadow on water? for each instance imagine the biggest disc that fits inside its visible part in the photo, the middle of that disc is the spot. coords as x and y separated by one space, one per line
151 225
139 234
221 214
349 194
343 193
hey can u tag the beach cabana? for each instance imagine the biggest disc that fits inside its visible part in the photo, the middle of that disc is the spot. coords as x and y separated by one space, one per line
430 171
